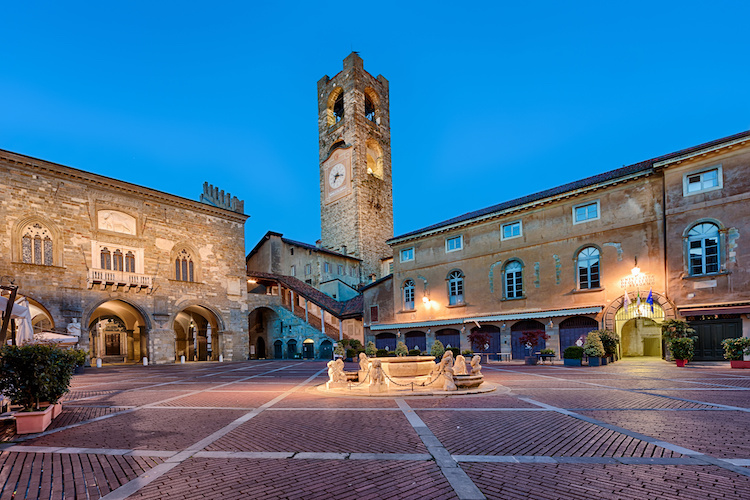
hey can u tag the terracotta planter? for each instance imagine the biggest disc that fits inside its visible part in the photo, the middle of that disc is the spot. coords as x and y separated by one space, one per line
30 422
680 362
738 363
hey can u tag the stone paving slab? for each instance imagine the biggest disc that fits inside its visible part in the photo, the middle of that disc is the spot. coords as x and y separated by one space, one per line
132 398
306 479
149 429
57 476
637 482
603 399
462 402
222 399
311 399
324 431
722 396
532 433
722 434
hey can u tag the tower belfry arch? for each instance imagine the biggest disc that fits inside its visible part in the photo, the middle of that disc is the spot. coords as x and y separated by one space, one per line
356 191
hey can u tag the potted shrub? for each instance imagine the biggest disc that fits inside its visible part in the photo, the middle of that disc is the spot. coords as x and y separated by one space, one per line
35 376
735 349
675 329
682 349
371 350
594 348
610 340
572 355
531 339
437 349
414 352
80 360
401 349
381 353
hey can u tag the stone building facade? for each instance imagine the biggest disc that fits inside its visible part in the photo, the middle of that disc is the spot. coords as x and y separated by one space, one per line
355 165
563 261
145 273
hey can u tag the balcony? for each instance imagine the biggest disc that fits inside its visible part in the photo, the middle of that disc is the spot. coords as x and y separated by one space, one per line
118 279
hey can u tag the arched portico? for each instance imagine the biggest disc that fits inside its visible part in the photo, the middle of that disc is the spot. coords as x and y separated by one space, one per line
639 328
261 322
197 334
118 331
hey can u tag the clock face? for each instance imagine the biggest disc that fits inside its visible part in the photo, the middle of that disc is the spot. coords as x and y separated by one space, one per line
337 176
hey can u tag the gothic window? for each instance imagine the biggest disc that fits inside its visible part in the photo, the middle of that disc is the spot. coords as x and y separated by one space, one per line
455 288
184 267
588 268
129 262
513 280
106 258
117 261
409 295
338 107
36 245
703 249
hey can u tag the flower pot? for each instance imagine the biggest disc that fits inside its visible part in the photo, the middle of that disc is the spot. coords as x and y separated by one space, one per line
604 360
595 361
738 363
29 422
680 362
572 362
529 360
78 370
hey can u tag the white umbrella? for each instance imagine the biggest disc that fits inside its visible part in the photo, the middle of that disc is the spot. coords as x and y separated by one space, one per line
20 311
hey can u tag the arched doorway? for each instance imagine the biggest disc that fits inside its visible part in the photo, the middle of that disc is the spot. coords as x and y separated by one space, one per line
577 327
260 348
416 340
196 334
278 349
518 350
262 323
326 350
385 341
449 337
308 349
493 344
291 349
41 319
639 329
117 331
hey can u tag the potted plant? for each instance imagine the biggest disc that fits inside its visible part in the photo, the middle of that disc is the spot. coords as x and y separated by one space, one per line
80 360
682 349
35 376
594 348
610 340
735 349
572 355
531 339
675 329
437 350
401 349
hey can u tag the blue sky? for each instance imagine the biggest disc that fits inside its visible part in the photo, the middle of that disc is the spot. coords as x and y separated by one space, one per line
489 100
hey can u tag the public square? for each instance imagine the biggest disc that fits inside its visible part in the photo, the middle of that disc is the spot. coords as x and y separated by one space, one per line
639 428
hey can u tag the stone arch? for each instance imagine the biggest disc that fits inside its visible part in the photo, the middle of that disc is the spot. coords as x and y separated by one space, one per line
335 106
607 316
374 159
54 234
195 302
198 332
262 322
118 329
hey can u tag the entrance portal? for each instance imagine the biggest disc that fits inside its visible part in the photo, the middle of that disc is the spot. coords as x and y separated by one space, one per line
196 335
117 332
308 349
639 329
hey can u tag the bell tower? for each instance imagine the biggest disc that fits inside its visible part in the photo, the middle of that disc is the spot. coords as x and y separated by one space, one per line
356 195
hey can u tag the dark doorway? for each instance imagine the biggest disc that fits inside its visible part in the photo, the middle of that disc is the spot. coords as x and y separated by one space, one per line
385 341
711 331
326 350
291 349
493 345
574 328
518 350
449 337
416 340
112 344
278 348
308 349
260 348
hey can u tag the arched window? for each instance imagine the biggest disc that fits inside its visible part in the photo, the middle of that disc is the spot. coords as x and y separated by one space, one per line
129 262
184 269
369 108
513 280
106 258
703 249
338 107
117 260
588 268
36 245
455 288
408 295
374 159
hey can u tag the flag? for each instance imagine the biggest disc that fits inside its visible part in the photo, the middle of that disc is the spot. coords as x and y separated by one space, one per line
650 299
626 302
638 302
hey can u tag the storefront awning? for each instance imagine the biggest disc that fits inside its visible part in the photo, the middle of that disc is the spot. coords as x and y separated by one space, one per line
714 309
497 317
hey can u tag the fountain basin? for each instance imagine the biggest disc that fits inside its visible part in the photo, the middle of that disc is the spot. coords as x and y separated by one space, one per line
407 366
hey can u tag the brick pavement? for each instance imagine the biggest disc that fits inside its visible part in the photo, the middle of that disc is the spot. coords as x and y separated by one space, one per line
635 429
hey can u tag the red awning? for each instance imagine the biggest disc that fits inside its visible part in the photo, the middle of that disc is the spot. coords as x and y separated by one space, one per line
711 310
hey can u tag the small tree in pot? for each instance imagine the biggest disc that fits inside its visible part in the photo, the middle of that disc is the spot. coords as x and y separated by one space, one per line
682 349
735 350
675 329
594 348
530 340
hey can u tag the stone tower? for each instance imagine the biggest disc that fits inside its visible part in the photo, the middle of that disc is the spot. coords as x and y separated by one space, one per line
356 205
